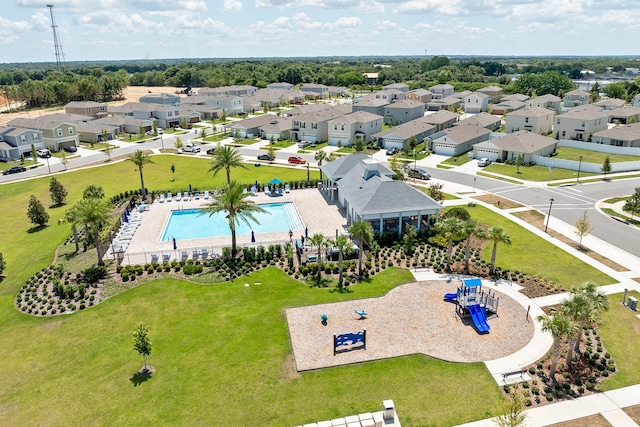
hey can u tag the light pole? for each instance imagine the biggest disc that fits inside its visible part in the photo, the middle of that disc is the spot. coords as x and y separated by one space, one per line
474 184
549 215
48 167
162 140
113 251
579 167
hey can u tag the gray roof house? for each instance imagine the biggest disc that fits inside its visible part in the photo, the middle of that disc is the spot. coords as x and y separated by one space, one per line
441 91
420 95
449 103
610 103
250 127
237 90
314 126
371 105
508 147
536 120
93 131
367 192
56 133
494 92
16 141
549 101
484 120
352 127
580 123
161 98
476 102
619 136
504 107
398 136
321 91
280 85
306 109
126 124
576 98
624 115
458 139
87 108
402 87
516 97
389 95
442 119
403 111
165 115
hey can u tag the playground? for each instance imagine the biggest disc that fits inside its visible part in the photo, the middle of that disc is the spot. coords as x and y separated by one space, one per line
412 318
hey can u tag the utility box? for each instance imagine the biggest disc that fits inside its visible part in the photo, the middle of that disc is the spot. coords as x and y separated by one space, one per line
389 411
632 303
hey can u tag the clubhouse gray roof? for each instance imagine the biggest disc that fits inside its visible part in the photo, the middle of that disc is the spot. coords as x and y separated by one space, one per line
338 168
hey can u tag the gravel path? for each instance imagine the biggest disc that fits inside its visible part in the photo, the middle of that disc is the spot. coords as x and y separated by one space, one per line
410 319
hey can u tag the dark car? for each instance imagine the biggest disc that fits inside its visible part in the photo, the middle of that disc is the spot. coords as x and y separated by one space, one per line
419 173
297 160
14 169
70 148
392 151
211 150
265 157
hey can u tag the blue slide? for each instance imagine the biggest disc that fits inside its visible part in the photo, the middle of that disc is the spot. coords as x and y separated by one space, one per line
450 297
479 318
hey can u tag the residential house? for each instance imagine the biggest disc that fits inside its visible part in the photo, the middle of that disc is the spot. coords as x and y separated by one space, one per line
535 120
231 104
610 103
161 98
494 92
348 129
337 91
461 95
449 103
93 109
398 137
305 109
370 78
280 85
619 136
576 98
402 87
484 120
373 106
190 114
420 95
548 101
16 141
207 112
389 95
366 191
457 140
278 128
56 134
126 124
234 90
523 143
443 119
625 115
504 107
93 131
165 116
476 102
315 91
403 112
441 91
516 97
580 123
252 126
314 126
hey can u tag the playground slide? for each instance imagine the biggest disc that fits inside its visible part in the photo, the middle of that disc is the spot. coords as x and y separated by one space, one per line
479 318
450 297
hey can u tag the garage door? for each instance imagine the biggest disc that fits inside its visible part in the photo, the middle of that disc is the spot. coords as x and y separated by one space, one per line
333 140
444 150
489 154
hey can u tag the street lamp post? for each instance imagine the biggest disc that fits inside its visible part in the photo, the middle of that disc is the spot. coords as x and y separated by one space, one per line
48 167
113 250
162 140
579 167
549 215
474 184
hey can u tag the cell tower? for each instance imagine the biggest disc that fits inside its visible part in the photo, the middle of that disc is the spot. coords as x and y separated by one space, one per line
56 40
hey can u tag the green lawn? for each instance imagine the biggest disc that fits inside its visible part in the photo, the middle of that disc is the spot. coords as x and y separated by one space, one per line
28 163
458 160
534 173
351 150
531 254
96 146
620 332
591 156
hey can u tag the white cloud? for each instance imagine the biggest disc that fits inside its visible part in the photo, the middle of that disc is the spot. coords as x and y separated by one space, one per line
232 5
449 7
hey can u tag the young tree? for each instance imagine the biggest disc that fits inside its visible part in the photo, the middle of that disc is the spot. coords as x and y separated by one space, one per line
583 227
183 122
471 229
139 158
497 235
271 151
107 150
71 217
449 229
511 412
434 190
318 240
606 166
203 133
358 146
34 153
64 160
36 212
142 343
409 240
518 162
225 158
341 243
559 326
93 213
397 167
598 303
633 203
178 143
93 191
173 172
320 157
58 192
362 232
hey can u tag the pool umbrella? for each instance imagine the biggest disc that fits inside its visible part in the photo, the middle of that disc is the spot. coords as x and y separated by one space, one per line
175 246
253 237
126 218
306 232
275 181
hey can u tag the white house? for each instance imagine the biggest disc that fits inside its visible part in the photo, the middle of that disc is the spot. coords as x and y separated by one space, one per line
476 102
580 123
523 143
548 101
535 120
576 98
441 91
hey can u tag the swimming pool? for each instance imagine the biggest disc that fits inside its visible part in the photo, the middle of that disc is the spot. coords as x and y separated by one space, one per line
191 224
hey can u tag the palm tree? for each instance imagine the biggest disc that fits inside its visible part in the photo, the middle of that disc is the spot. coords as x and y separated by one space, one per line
71 217
471 229
93 191
234 202
320 157
361 231
139 158
226 157
450 229
341 243
598 303
93 213
578 309
559 326
318 240
497 235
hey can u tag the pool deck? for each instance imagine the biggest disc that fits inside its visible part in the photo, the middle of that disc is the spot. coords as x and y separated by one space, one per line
316 213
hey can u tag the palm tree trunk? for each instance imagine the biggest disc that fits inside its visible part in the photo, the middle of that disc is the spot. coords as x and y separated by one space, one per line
142 183
340 270
228 171
576 337
554 361
577 344
360 249
449 250
75 237
96 234
319 263
493 257
234 250
467 255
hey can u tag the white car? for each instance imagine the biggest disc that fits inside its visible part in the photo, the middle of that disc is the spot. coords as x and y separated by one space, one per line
484 162
190 148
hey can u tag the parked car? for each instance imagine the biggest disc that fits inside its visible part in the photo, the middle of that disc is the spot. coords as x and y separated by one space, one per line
297 160
392 151
14 169
302 144
160 131
484 162
211 150
265 157
419 173
70 149
190 148
44 153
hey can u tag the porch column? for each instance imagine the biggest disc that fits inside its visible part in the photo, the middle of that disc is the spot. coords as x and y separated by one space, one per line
380 226
419 221
400 224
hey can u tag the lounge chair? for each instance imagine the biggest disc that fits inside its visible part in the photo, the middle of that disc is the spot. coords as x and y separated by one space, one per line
169 197
154 258
165 258
280 191
179 197
267 191
253 190
244 190
206 195
197 196
161 198
287 188
185 255
204 253
194 254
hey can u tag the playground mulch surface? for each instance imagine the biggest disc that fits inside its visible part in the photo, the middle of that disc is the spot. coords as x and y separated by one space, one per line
411 318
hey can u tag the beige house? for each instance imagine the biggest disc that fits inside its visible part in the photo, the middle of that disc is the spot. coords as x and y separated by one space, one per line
549 101
580 123
535 120
352 127
516 97
625 115
420 95
87 108
494 92
449 103
442 119
610 103
576 98
619 136
56 134
398 136
505 107
508 147
484 120
314 126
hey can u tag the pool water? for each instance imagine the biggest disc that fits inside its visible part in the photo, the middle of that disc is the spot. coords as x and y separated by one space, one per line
192 224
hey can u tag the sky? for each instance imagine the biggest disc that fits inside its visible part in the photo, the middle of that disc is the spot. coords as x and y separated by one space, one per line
155 29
